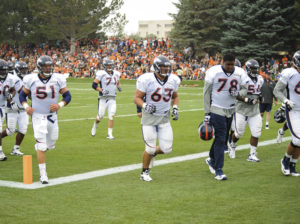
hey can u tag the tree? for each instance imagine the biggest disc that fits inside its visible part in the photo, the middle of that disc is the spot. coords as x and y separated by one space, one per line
198 25
72 20
253 29
15 17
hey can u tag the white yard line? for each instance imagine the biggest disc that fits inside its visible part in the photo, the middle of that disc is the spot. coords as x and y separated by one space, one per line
122 115
119 169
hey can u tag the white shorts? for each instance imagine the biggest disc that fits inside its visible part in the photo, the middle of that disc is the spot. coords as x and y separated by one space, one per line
240 121
293 119
2 116
16 118
111 106
163 132
45 128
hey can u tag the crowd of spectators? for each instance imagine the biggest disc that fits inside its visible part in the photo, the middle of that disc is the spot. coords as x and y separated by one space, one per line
132 58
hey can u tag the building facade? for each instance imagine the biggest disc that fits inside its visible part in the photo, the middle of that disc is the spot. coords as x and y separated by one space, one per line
159 28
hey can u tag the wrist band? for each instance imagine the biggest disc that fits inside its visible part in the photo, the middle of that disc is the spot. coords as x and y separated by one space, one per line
61 104
25 105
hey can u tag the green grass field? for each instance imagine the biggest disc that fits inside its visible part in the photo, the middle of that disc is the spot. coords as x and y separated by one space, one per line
182 192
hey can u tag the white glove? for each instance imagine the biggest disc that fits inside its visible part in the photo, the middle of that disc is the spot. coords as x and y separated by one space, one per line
250 101
105 92
149 108
207 118
175 114
14 106
289 104
234 92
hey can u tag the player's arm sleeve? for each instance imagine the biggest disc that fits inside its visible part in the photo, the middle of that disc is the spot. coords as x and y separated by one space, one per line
140 85
207 90
279 90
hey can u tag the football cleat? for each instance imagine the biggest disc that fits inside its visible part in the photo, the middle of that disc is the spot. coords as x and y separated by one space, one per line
231 150
220 175
279 136
293 171
253 158
16 152
210 165
145 176
44 179
285 166
110 137
267 127
2 156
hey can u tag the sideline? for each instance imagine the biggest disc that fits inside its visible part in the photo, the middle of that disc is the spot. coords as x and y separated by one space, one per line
120 169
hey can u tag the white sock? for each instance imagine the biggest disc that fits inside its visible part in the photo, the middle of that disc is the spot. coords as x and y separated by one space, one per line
288 156
16 147
42 167
95 124
110 131
1 148
294 160
267 123
252 149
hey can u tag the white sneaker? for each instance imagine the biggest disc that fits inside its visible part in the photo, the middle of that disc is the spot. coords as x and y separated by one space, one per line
145 176
210 165
279 136
252 158
94 129
2 156
231 149
110 137
44 179
16 152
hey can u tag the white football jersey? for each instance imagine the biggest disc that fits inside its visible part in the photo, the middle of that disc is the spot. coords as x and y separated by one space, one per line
291 77
223 83
18 87
157 92
44 92
254 87
5 85
108 82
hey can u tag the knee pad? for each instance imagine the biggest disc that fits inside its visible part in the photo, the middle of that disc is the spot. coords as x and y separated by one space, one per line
237 135
9 132
166 147
22 130
40 146
295 143
150 150
166 150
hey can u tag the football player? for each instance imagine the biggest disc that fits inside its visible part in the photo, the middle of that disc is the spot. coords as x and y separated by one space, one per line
160 88
109 81
6 90
247 111
44 89
290 80
222 83
15 112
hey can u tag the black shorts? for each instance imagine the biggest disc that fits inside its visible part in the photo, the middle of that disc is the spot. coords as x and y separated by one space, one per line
265 107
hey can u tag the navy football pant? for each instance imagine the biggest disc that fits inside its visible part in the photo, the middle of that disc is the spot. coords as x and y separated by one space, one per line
222 127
